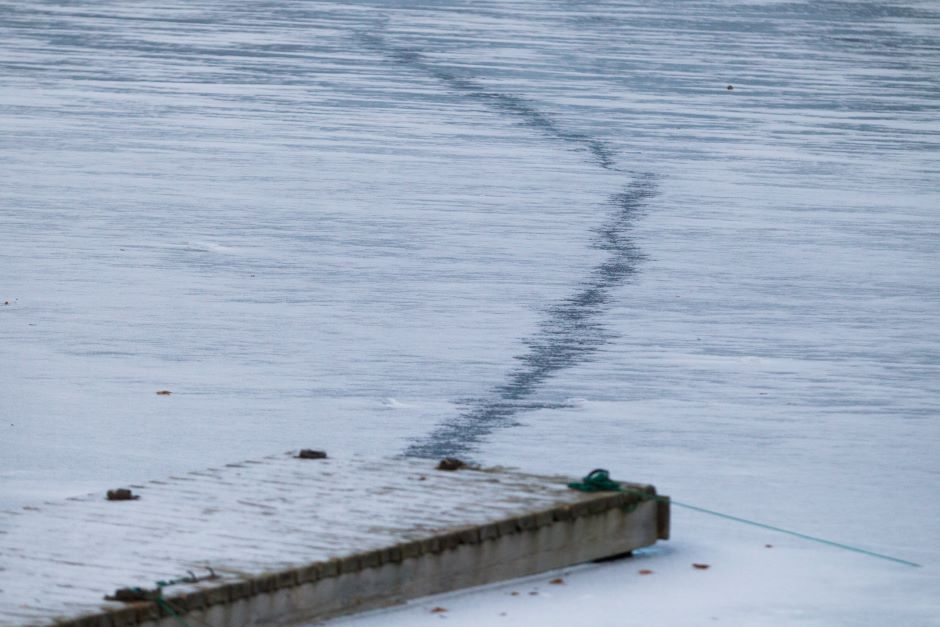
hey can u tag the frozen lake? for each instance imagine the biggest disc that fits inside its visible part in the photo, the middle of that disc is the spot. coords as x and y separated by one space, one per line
539 234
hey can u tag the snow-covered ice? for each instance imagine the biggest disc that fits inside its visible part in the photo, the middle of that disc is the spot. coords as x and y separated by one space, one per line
536 233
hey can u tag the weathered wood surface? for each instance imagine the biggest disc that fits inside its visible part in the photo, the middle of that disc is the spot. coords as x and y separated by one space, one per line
283 523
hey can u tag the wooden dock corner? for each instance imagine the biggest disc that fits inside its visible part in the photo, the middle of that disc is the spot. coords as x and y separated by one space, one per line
292 538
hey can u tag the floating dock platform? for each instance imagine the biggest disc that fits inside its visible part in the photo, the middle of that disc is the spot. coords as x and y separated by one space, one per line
287 539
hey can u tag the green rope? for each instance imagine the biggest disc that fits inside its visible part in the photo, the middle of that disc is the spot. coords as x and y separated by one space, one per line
169 608
156 595
192 578
172 582
599 481
797 534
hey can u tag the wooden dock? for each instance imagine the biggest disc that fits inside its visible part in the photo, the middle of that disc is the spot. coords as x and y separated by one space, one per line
282 539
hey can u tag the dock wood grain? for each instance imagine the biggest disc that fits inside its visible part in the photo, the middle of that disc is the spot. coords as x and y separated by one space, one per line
293 540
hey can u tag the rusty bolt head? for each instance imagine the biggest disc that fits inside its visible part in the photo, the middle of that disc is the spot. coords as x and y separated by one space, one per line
131 595
121 494
451 463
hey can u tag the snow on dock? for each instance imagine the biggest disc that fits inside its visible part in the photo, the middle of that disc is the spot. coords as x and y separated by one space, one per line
285 538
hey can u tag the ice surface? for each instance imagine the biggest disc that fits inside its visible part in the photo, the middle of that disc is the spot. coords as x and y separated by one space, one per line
376 228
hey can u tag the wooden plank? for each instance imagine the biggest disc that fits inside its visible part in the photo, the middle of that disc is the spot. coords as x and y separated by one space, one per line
304 539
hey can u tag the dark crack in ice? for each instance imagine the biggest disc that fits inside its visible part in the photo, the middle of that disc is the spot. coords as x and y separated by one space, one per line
571 330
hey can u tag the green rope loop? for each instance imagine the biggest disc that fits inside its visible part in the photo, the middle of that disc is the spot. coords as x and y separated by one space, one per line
597 480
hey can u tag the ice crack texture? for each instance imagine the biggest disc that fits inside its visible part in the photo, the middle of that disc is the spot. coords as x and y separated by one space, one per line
571 330
506 104
568 335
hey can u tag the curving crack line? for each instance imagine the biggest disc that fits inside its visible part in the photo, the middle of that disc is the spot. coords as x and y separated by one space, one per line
571 330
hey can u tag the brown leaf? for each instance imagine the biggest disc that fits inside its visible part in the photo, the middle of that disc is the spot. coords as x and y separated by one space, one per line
514 593
557 581
438 610
700 566
163 392
646 571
